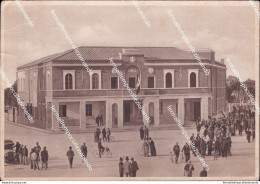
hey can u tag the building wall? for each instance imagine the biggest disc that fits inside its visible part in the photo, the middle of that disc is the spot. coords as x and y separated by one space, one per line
166 117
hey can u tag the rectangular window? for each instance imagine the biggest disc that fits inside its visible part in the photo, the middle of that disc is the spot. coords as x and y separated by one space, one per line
114 82
88 109
132 82
150 82
161 107
185 109
176 108
62 110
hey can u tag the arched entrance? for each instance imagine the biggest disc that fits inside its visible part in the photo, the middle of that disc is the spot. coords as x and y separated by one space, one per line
151 112
114 115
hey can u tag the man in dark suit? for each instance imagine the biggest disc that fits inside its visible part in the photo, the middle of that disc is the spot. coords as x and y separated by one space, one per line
176 150
70 155
97 120
84 150
44 157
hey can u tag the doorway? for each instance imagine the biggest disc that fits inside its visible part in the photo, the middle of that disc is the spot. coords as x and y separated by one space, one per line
196 111
127 111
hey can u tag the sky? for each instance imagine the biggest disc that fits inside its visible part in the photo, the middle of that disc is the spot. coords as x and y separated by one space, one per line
226 27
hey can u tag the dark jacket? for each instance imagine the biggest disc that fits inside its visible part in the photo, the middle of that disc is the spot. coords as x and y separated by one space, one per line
70 154
121 167
44 155
25 152
134 166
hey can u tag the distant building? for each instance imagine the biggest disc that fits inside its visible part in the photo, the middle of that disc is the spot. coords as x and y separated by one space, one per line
168 75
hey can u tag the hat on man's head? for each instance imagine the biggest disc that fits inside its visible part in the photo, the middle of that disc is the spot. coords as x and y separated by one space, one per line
126 158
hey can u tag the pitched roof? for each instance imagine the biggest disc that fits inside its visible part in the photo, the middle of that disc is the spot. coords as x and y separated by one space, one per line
100 53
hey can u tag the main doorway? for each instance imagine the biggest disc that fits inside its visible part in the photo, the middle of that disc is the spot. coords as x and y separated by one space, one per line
196 111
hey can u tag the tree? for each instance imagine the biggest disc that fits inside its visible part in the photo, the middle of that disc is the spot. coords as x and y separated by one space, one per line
10 100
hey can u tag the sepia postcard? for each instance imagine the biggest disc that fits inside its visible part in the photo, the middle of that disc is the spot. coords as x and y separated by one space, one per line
129 90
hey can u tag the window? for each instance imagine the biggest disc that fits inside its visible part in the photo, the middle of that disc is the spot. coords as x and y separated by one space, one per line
150 82
132 82
176 108
62 110
68 81
168 79
193 80
95 82
88 109
161 107
114 82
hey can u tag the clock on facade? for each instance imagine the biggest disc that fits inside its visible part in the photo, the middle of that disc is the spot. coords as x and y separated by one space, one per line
132 59
150 70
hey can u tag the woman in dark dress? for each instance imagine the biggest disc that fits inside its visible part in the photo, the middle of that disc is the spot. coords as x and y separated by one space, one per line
152 147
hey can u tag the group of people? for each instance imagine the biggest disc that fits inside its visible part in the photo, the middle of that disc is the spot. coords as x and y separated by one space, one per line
144 133
99 120
21 154
36 155
104 134
128 168
148 147
218 134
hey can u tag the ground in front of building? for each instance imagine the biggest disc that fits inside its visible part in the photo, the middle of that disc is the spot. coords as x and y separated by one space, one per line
241 164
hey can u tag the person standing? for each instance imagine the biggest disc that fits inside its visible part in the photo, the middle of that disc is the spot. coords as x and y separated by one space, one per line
84 150
146 148
141 133
17 148
38 150
186 150
176 150
146 132
104 134
101 120
127 167
31 161
152 147
44 157
97 120
70 155
34 160
248 135
188 169
204 172
25 155
21 154
134 167
121 167
240 128
198 127
253 133
108 134
209 144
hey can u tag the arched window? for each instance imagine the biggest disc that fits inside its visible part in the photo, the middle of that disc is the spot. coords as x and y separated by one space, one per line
68 81
95 83
193 79
168 79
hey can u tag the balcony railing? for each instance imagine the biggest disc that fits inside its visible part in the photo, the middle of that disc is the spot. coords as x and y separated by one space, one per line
124 92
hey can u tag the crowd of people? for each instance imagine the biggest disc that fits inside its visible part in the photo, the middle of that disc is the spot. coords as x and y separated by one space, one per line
216 136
